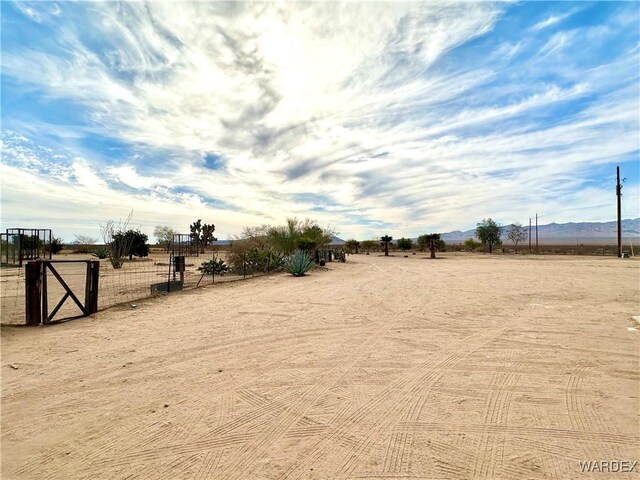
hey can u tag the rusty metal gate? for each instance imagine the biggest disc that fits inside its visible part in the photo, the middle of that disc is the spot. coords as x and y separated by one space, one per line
36 290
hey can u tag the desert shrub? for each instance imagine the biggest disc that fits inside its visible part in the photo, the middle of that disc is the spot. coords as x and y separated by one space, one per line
471 245
117 244
351 245
245 256
405 244
56 245
298 263
100 252
213 267
135 243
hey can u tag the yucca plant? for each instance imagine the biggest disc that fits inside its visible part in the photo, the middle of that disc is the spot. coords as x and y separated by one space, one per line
100 252
298 264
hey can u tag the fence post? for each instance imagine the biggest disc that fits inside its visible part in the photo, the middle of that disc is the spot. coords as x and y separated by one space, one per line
91 293
33 293
244 265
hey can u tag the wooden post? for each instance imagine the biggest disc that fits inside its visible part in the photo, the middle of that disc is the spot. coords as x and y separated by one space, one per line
91 290
33 294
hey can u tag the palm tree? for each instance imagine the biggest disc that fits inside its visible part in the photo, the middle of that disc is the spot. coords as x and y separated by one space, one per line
386 239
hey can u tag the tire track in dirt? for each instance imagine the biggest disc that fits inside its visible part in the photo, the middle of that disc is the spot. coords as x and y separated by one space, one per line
521 431
216 437
244 461
408 387
489 450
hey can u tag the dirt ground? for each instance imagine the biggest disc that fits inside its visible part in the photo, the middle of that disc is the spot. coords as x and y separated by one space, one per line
468 366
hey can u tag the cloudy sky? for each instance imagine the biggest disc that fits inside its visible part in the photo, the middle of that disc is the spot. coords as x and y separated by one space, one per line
376 118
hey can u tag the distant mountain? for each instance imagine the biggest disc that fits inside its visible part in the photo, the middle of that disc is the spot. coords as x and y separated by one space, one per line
337 241
563 233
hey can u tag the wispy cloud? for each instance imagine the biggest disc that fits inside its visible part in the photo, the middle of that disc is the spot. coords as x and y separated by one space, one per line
357 114
553 20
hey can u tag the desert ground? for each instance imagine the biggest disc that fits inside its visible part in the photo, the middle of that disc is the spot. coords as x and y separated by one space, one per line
468 366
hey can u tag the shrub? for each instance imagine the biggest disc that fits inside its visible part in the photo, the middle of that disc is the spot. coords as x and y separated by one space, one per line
405 244
298 263
471 245
56 245
213 267
100 252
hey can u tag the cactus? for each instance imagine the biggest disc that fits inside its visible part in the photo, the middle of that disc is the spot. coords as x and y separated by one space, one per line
298 264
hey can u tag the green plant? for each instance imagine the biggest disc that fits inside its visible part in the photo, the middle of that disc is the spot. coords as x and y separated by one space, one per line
202 234
100 252
405 244
386 240
298 263
213 267
164 235
56 245
351 245
135 242
488 232
471 245
424 242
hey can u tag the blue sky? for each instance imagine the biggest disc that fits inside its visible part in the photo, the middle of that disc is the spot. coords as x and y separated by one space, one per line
374 118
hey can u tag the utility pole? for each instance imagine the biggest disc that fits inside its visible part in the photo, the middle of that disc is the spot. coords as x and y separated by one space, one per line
529 234
619 195
536 233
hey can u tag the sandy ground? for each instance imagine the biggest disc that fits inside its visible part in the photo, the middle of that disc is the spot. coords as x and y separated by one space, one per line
381 368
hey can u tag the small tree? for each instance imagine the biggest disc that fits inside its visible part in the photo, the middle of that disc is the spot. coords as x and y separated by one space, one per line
516 233
164 236
405 244
135 241
368 245
386 240
351 245
471 245
202 234
488 232
117 250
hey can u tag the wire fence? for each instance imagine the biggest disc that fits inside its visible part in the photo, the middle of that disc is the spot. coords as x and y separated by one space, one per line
134 281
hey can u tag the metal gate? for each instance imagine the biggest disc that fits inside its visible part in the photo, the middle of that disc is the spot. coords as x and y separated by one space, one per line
36 291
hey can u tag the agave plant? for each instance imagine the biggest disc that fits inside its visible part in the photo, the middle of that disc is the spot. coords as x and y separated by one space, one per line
298 264
100 252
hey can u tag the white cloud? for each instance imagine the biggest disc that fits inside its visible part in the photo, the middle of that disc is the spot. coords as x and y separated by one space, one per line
342 100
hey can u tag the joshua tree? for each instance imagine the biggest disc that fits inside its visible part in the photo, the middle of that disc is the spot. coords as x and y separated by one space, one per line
386 239
202 234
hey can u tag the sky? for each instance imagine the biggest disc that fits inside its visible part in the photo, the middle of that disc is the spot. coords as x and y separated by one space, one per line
370 117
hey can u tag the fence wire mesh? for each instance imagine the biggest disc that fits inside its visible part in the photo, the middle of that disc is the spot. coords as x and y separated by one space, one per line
132 282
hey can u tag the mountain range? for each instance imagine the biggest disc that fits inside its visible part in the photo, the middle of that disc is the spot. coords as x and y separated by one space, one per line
550 234
568 233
